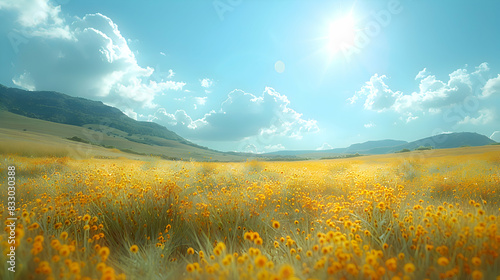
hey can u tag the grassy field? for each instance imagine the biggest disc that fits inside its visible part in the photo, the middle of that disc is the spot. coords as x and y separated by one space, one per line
18 133
419 215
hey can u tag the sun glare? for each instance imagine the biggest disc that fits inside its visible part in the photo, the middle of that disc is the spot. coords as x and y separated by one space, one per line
341 34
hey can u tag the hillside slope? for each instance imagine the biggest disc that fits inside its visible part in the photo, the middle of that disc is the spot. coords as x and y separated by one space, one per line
61 108
35 137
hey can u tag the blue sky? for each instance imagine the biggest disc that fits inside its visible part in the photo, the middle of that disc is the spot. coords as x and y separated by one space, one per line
267 75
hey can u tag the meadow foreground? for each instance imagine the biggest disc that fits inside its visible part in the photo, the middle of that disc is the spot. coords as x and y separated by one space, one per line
430 214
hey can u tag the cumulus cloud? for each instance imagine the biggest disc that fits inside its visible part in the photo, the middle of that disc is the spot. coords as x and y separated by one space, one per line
85 57
206 83
422 74
179 119
171 73
491 87
466 98
276 147
200 100
325 146
130 113
25 81
433 94
436 94
485 116
377 94
482 68
40 14
249 148
240 116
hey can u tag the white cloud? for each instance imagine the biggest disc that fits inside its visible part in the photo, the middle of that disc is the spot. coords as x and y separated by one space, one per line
482 68
249 148
144 93
171 74
25 81
179 118
495 136
33 13
206 83
442 132
378 96
491 87
39 18
422 74
276 147
200 100
87 57
162 53
240 116
465 100
433 94
325 146
369 125
411 117
485 116
130 113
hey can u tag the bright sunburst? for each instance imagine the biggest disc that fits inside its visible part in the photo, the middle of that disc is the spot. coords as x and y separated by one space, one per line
342 33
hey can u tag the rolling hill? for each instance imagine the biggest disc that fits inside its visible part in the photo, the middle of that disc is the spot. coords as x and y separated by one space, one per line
65 109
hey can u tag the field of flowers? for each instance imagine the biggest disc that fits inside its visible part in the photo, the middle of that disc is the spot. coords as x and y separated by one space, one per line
427 215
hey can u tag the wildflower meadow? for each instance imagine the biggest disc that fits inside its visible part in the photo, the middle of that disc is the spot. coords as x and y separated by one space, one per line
419 215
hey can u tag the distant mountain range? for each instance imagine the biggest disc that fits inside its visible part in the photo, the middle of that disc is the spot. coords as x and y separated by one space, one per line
354 148
441 141
64 109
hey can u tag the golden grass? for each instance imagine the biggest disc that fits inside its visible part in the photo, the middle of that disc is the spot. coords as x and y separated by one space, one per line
32 149
23 130
382 217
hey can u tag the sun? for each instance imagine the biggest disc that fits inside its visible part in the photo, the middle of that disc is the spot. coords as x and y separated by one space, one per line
341 34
